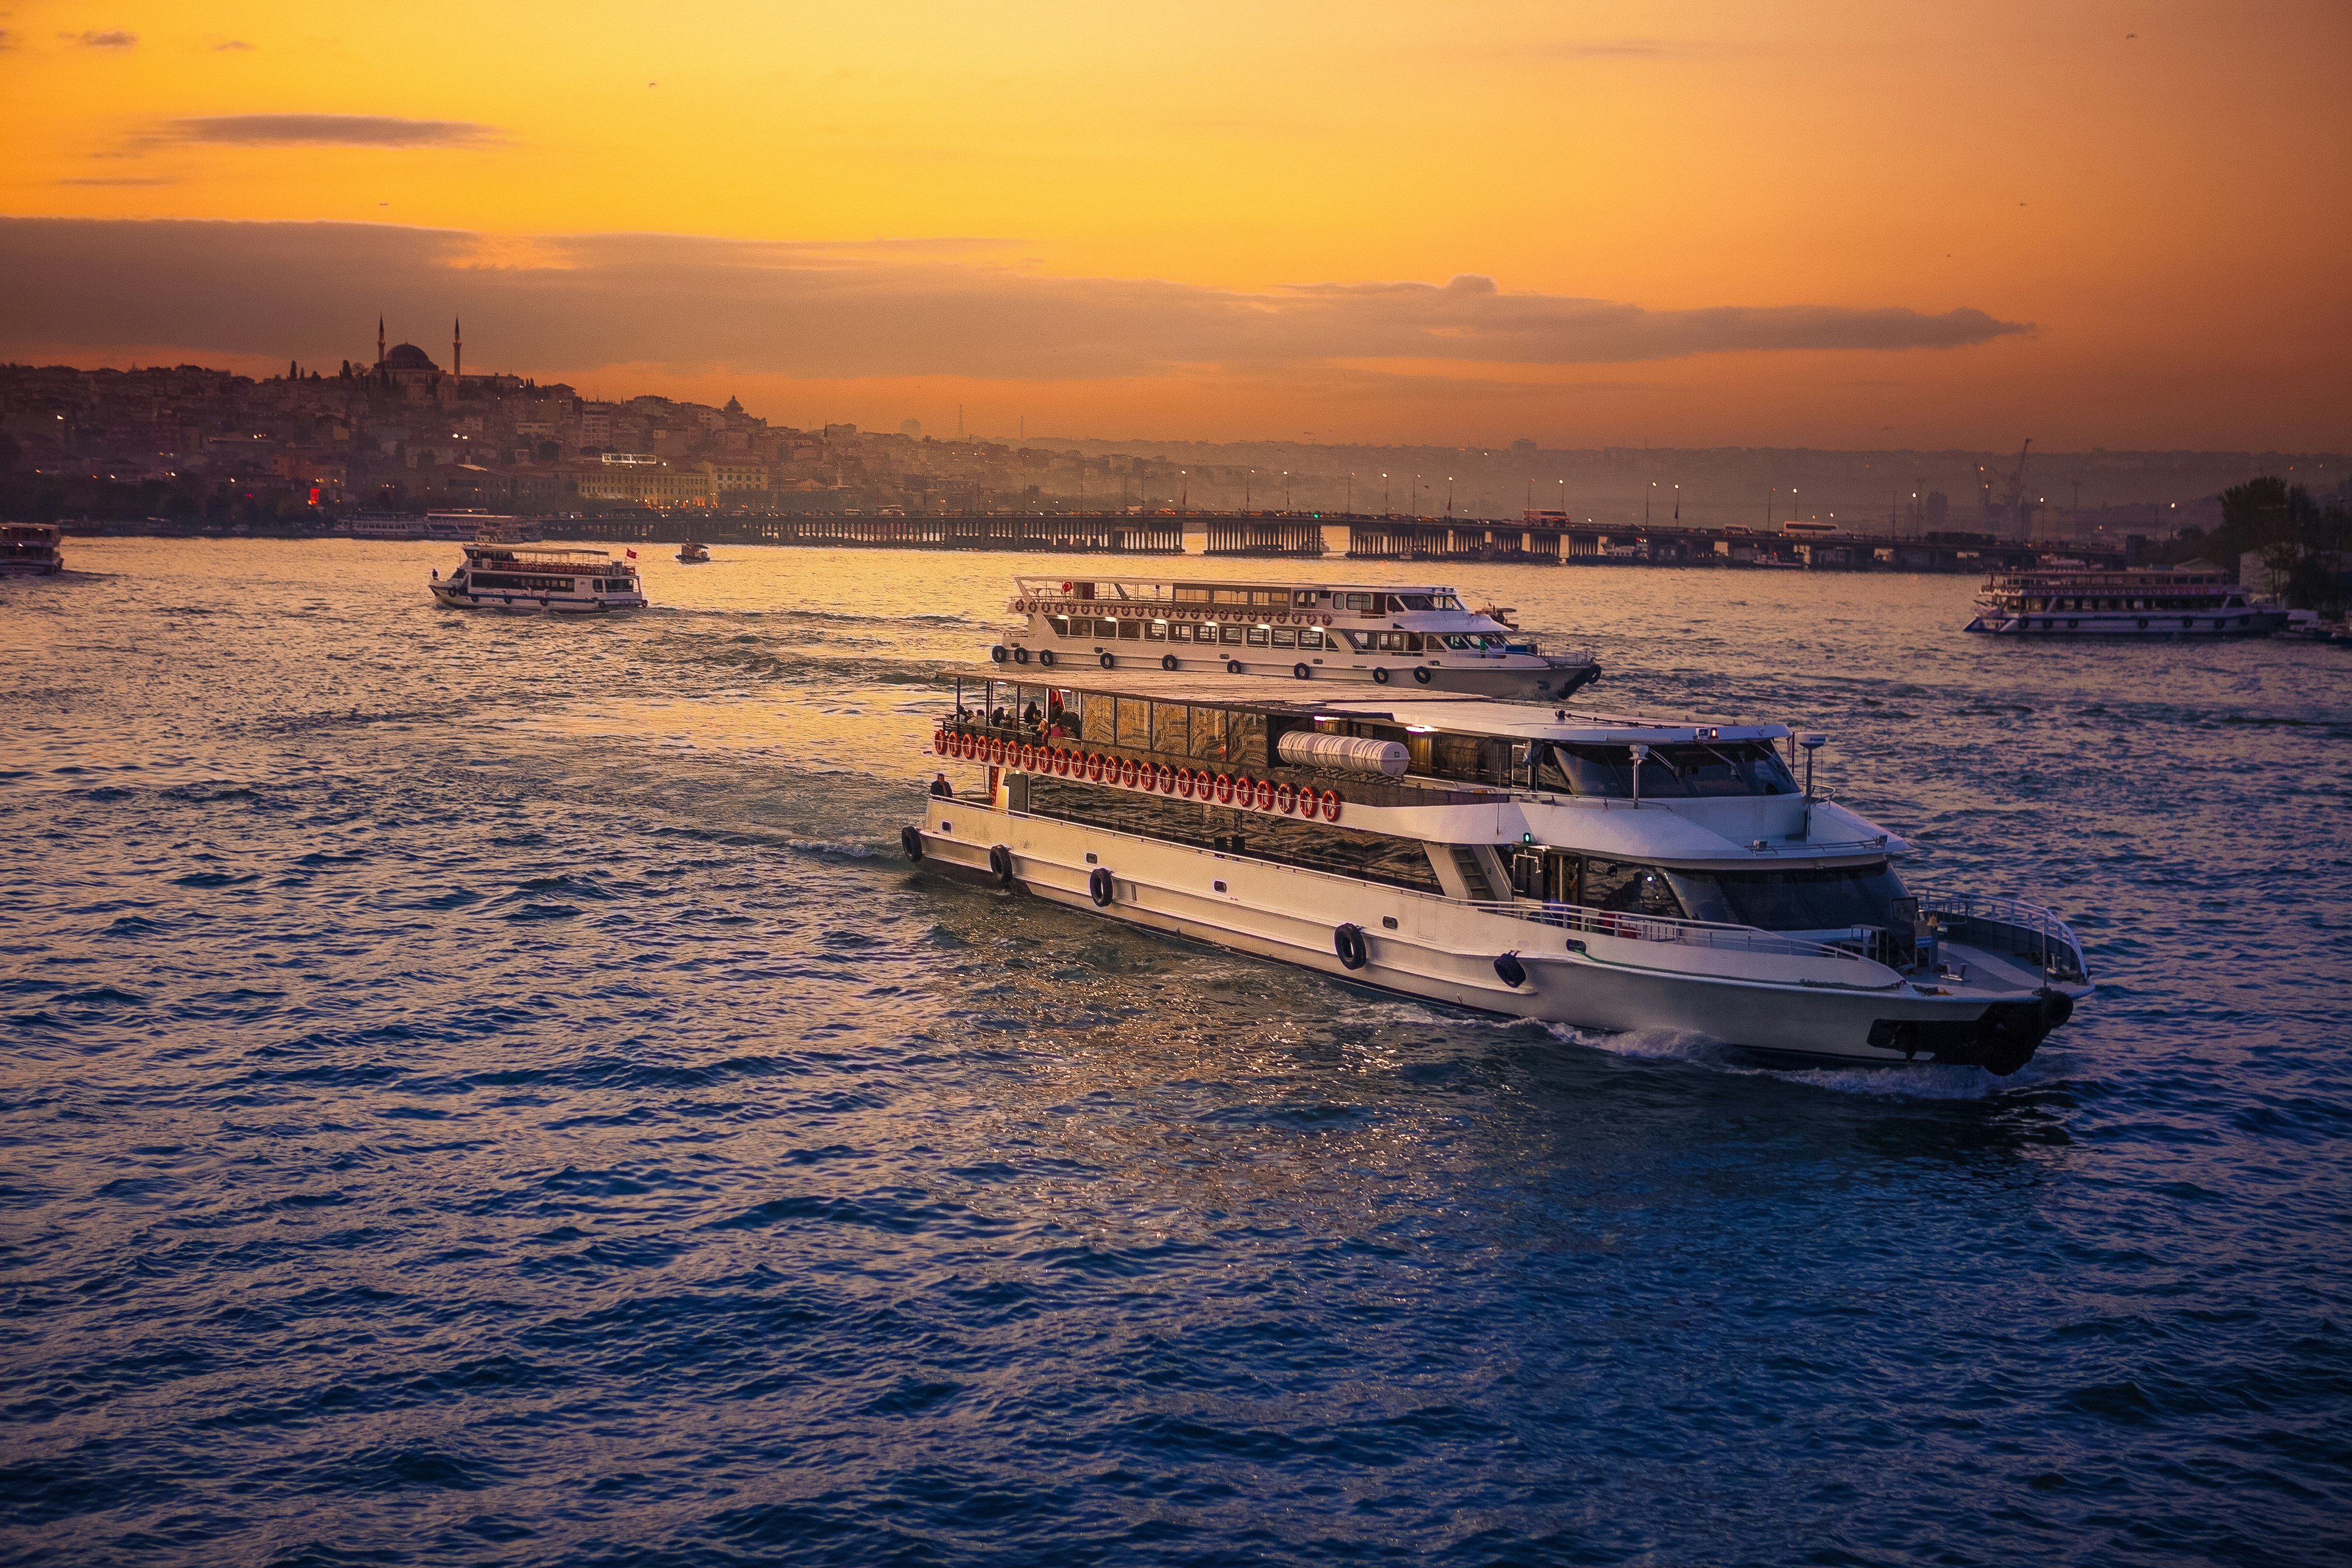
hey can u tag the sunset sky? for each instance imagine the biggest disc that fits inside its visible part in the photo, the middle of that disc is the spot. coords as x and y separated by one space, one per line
1831 226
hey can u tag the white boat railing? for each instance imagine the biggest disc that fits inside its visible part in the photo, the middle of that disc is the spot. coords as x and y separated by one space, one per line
1661 927
2028 930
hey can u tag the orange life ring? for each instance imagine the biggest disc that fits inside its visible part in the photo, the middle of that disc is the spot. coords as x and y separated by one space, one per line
1331 806
1244 790
1096 763
1060 762
996 753
1167 778
1327 620
1266 794
1126 773
1024 756
939 741
1307 802
1184 782
1224 788
1285 799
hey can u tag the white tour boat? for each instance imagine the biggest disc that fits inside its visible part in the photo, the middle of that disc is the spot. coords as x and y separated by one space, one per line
560 578
1607 872
31 550
2155 602
1372 634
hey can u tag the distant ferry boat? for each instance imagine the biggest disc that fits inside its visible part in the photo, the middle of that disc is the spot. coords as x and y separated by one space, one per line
1374 634
31 550
1611 872
558 578
2141 603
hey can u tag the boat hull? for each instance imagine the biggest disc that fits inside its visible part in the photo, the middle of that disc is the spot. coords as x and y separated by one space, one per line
1552 681
1430 948
552 603
2159 626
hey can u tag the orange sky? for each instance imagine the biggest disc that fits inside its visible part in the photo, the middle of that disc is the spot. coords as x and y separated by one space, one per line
2166 212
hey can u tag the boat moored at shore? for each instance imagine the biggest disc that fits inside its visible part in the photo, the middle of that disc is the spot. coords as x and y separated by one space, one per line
1359 633
563 579
1611 872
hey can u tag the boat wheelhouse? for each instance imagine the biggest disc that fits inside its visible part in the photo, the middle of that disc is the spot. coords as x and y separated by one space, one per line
2153 601
563 579
1606 871
31 550
1363 634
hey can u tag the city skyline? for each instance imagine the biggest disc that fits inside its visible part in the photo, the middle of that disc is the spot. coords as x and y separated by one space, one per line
2109 230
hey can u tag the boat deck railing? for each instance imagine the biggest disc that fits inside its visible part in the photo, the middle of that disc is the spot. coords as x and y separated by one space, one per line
1660 928
2026 930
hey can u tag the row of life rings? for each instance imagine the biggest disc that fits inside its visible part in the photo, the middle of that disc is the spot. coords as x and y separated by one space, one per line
1048 607
1237 790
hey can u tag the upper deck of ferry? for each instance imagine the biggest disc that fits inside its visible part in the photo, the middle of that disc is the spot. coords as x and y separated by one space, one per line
1050 596
542 557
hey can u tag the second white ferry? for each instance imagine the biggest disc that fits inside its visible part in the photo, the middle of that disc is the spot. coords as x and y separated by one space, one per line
1362 634
1608 872
2154 601
562 579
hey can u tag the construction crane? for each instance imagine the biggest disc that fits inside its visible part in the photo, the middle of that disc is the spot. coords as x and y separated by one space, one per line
2014 502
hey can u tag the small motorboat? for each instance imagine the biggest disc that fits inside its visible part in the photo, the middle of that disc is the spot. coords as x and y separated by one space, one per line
691 554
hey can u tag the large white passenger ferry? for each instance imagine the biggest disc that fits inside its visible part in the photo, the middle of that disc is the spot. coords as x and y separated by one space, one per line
2156 601
1608 872
1372 634
540 577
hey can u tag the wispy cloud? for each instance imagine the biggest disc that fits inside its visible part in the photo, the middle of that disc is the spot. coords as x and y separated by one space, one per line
854 310
232 44
121 180
116 39
328 131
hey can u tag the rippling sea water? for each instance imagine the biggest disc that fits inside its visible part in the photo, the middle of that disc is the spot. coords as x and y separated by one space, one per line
488 1089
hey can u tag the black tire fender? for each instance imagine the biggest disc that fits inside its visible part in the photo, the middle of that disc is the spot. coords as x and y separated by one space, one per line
1106 660
1510 970
998 654
1302 672
1347 943
1167 661
1020 656
1045 657
1420 673
1000 864
1232 667
911 839
2057 1008
1100 887
1380 676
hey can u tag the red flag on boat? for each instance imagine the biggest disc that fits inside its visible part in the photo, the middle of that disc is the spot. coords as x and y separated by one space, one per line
633 555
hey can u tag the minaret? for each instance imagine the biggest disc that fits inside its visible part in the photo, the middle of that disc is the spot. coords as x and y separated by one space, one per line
456 349
379 341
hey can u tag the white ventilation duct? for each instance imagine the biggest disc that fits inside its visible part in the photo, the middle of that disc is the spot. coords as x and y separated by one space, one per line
1352 753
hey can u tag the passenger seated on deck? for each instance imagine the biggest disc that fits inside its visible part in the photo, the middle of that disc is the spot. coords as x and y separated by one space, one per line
996 714
940 788
1030 717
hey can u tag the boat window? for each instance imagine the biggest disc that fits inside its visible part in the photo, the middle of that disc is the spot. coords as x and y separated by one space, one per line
1370 857
1448 601
1368 602
1312 636
1171 733
1209 734
1182 631
1303 597
1258 636
1391 642
1675 772
1135 723
1457 641
1188 595
1629 885
1098 720
1494 641
1796 898
1060 625
1106 630
1155 631
1132 630
1246 738
1284 637
1418 601
1229 596
1232 634
1267 596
